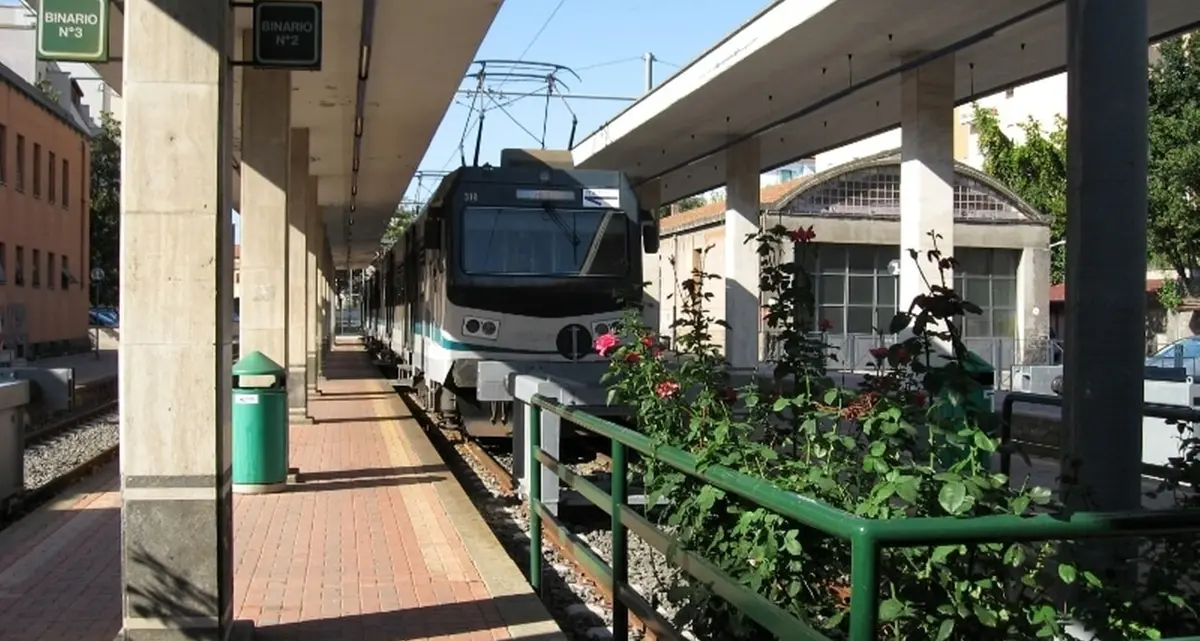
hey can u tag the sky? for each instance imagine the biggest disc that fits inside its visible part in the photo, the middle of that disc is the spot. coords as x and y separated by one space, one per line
603 42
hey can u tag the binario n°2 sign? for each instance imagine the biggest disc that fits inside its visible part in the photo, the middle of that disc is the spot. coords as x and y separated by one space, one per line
73 30
287 35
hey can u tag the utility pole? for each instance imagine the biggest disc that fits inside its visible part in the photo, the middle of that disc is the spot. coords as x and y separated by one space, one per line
648 58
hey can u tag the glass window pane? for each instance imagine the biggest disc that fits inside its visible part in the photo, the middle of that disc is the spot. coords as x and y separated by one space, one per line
860 320
833 290
978 291
972 261
834 316
862 290
1004 292
861 259
883 318
806 256
885 291
977 326
833 258
885 255
1004 262
1004 323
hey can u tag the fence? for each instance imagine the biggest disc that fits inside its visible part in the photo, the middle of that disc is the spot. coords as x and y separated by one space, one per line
868 538
852 352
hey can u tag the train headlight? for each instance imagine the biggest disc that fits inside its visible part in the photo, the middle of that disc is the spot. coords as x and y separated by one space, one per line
604 327
481 327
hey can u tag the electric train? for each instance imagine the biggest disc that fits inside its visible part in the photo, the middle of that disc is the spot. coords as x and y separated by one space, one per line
523 264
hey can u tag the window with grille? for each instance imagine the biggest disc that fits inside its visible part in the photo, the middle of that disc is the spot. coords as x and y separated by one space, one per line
875 191
37 268
52 186
37 170
50 270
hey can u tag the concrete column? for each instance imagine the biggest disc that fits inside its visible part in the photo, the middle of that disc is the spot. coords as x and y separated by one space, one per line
742 169
926 170
1033 305
312 291
177 321
1106 252
266 105
650 199
298 204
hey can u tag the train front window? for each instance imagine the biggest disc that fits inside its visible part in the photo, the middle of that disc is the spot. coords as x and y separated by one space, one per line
545 242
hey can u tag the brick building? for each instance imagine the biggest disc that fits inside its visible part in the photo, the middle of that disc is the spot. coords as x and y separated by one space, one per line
44 211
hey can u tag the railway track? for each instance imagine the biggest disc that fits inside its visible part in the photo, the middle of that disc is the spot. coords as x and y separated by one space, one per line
53 440
485 470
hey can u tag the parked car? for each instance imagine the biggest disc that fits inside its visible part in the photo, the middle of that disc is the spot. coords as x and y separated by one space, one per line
1166 356
103 317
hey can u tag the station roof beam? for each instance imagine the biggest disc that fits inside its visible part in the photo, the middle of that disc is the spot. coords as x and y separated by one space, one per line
806 76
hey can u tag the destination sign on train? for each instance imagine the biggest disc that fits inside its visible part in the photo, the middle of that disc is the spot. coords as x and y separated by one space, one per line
544 195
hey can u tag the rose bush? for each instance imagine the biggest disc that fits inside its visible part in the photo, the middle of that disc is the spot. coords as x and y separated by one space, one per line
907 444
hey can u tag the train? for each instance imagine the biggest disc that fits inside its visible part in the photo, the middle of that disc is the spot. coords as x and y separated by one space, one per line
515 268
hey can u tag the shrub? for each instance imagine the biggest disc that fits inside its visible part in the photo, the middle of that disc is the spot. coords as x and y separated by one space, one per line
907 444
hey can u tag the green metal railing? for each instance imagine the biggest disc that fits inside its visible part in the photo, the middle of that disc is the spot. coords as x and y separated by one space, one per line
867 537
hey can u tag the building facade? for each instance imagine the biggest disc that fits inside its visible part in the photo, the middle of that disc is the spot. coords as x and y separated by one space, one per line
44 211
1001 247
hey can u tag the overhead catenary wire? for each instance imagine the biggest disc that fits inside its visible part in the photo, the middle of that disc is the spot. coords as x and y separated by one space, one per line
538 34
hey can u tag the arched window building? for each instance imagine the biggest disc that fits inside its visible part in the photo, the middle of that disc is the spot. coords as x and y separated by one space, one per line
1001 246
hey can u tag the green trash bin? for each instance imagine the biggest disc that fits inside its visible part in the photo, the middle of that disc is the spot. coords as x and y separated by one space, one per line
981 399
260 427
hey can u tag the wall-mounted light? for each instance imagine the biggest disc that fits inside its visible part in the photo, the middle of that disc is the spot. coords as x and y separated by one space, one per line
355 165
364 61
358 126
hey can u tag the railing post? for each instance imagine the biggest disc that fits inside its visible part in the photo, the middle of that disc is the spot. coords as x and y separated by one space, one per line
620 538
535 497
864 587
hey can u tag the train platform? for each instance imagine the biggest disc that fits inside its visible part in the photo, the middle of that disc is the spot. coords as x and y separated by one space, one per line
88 367
377 541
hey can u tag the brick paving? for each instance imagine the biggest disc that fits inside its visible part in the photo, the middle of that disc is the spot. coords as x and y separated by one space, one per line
373 544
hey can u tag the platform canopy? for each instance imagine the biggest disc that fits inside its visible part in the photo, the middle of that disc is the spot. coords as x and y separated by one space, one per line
411 56
806 76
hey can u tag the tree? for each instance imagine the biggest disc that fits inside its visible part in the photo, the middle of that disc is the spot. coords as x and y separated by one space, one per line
106 206
400 221
1034 168
1173 223
685 204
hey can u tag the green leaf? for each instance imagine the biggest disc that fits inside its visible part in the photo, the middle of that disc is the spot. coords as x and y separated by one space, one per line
1067 573
899 322
1040 495
791 544
780 404
890 610
953 497
1020 505
945 630
984 443
1092 579
985 616
907 487
943 552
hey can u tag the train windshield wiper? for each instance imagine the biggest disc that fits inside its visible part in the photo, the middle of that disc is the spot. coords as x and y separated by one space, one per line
557 219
